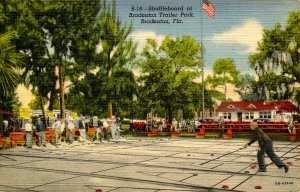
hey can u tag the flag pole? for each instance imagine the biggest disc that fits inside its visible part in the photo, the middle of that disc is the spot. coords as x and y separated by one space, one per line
209 8
202 61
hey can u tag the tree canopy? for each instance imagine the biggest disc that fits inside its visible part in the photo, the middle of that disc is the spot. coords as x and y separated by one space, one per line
276 61
224 73
167 74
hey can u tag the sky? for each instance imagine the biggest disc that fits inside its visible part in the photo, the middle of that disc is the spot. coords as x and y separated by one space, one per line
233 32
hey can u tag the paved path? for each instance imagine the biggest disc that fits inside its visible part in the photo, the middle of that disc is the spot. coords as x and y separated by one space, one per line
147 164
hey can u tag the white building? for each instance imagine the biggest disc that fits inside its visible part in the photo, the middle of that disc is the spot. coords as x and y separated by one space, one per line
249 110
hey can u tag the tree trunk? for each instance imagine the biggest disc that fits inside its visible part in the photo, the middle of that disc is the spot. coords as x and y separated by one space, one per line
109 104
110 109
52 95
169 114
51 101
44 113
61 91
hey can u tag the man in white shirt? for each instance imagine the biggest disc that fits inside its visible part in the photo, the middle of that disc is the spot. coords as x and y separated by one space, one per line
29 129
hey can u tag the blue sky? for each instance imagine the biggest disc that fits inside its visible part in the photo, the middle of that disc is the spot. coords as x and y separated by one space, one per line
233 32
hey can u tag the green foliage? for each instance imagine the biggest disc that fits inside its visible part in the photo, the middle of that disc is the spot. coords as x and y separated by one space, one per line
183 53
101 76
224 73
10 62
167 74
277 60
89 95
245 87
116 53
10 103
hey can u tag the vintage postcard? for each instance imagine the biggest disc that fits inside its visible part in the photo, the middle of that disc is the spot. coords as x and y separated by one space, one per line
150 95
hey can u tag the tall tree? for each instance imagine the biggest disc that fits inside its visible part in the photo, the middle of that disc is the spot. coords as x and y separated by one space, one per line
116 50
224 73
277 56
167 73
65 19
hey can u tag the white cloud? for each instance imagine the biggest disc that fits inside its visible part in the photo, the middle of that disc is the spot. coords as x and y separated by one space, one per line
140 38
247 34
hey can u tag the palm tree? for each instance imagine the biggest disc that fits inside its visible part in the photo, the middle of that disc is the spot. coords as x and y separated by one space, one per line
9 63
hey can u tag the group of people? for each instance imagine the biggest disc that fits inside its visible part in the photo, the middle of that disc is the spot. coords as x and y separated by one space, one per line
39 130
185 125
109 128
182 125
112 128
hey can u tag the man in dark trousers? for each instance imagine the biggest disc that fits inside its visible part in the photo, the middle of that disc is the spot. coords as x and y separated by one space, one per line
40 131
265 146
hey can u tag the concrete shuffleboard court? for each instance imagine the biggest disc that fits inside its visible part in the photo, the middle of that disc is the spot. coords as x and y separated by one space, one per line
148 164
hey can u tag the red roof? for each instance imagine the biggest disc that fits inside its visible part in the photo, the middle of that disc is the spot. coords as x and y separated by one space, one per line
282 106
2 112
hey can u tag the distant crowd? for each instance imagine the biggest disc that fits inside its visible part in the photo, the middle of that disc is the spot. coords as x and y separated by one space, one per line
178 126
64 129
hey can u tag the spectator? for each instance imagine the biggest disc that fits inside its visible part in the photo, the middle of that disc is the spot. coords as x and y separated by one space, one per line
189 126
174 125
40 132
148 125
82 130
70 126
6 128
182 124
29 129
221 125
57 131
105 130
162 125
290 124
118 126
114 127
99 129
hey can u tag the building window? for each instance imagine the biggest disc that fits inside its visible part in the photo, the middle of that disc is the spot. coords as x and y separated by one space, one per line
266 114
227 115
249 115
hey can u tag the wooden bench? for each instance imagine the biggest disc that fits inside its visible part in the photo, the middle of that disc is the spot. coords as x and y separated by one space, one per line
243 129
153 133
49 135
18 137
75 134
212 129
2 142
91 132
